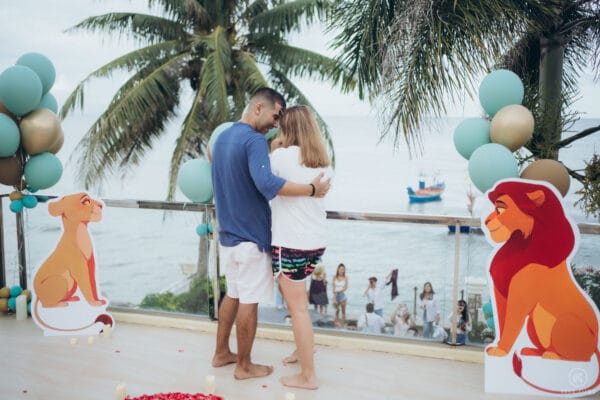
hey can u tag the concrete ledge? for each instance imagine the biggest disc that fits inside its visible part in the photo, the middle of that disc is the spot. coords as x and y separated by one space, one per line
342 340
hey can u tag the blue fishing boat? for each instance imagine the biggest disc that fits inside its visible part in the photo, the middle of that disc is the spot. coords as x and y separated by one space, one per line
426 193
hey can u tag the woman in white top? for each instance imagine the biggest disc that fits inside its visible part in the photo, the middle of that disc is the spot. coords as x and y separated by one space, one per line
429 306
340 285
298 229
404 323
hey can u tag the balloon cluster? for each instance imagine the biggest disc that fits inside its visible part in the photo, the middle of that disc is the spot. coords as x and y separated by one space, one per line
8 298
488 143
488 314
30 130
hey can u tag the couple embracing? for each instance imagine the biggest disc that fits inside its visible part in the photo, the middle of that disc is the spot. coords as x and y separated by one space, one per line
294 178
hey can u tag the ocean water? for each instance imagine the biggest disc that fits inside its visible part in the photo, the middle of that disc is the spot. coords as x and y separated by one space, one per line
148 251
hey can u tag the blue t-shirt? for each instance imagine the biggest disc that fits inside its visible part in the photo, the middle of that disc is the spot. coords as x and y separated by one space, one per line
243 184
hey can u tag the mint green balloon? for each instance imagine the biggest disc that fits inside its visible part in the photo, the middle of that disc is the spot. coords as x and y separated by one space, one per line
10 137
500 88
42 66
20 89
490 163
272 133
470 134
195 181
216 132
49 101
43 171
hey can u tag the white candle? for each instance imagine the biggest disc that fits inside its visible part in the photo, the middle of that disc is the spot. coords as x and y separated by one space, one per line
121 392
210 384
21 307
73 341
107 331
290 396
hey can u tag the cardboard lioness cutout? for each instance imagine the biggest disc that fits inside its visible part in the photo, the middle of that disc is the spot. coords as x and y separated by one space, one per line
66 297
546 325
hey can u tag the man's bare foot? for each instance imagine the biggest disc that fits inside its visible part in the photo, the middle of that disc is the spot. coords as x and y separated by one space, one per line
252 371
220 360
299 381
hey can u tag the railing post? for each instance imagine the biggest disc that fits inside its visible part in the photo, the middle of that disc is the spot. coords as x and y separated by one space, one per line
21 249
2 262
455 283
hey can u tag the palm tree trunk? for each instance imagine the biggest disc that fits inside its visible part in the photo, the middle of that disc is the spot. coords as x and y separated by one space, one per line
550 90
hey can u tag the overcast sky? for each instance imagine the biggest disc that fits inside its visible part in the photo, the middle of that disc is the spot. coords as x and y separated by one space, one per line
35 25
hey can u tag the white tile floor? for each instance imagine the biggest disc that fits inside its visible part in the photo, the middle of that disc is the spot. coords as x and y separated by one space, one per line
151 359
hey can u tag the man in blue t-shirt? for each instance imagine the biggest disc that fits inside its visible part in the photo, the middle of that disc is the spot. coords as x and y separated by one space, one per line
243 185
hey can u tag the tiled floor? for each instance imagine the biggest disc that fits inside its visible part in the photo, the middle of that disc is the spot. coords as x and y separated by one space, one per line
150 359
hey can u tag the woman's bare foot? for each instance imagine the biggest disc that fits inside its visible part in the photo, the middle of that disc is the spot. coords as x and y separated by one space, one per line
252 371
220 360
299 381
291 359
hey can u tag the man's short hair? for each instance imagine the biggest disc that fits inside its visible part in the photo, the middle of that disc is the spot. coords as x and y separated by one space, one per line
373 278
270 95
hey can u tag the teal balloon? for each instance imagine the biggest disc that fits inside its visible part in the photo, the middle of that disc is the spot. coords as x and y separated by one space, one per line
29 308
195 181
210 227
470 134
20 89
16 206
216 132
42 66
41 198
272 133
202 230
29 201
12 304
43 170
487 309
49 101
15 291
10 138
489 164
499 89
490 323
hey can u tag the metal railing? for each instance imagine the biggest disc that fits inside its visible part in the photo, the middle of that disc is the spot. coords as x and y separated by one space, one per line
208 214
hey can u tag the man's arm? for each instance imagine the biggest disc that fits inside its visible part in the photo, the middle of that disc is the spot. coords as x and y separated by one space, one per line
302 189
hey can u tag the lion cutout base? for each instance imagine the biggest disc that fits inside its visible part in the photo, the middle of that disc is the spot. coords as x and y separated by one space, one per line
65 296
546 325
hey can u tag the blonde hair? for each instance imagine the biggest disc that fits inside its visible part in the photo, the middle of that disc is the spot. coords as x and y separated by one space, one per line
299 127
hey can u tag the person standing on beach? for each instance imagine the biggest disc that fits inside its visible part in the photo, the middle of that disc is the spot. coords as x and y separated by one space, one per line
299 230
374 294
340 285
243 184
429 306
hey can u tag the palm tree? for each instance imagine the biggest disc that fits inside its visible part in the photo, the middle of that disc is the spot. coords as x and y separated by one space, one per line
413 55
223 49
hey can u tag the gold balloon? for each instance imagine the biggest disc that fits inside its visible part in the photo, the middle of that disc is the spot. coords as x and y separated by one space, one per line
11 170
57 145
550 171
15 195
5 292
40 129
27 293
512 126
3 304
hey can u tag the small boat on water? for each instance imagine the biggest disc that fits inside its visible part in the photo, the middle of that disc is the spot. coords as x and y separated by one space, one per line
424 194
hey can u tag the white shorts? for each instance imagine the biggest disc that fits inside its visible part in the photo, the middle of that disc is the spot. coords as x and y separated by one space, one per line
248 273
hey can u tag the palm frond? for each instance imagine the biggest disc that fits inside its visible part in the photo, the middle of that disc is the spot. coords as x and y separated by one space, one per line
197 125
141 27
299 62
136 115
185 11
247 72
134 60
287 16
216 74
295 96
